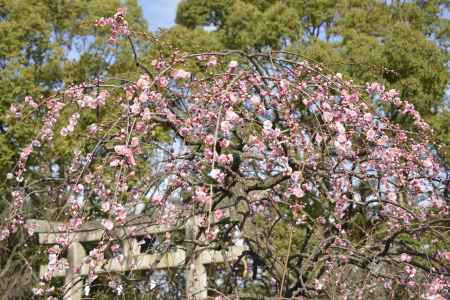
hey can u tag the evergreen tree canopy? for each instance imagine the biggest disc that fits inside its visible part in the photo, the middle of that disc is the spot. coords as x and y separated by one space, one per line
46 44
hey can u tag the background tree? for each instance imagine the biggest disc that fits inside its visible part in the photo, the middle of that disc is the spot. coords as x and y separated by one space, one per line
47 45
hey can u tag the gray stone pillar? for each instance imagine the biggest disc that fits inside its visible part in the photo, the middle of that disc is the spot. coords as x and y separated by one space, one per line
196 276
73 285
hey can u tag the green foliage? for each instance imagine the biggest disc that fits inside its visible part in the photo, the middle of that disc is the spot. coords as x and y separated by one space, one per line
202 12
243 24
183 39
48 44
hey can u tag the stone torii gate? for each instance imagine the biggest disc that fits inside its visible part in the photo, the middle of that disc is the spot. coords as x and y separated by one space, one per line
133 259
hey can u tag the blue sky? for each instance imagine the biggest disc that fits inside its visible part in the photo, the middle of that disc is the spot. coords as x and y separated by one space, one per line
159 13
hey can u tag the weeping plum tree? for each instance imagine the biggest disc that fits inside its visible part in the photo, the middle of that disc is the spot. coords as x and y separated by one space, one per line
330 198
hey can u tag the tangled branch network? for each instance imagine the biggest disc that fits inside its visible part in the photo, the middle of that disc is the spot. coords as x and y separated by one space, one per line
266 144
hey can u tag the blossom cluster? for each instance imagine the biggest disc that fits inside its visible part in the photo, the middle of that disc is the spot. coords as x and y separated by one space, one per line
291 143
119 26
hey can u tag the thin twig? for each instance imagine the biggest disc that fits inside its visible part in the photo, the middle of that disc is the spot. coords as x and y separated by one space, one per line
286 263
